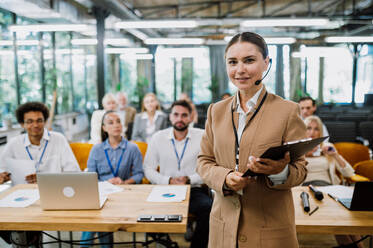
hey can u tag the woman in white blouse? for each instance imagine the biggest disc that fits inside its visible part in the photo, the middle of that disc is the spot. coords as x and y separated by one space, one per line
324 160
150 120
109 102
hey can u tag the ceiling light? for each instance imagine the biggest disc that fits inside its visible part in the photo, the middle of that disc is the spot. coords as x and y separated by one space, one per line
157 24
118 42
174 41
84 41
349 39
271 40
285 22
132 50
113 42
19 42
48 27
137 56
280 40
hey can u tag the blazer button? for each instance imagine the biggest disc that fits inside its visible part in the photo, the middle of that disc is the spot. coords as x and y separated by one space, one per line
242 238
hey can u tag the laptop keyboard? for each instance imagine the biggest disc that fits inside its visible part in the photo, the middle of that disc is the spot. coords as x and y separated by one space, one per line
346 202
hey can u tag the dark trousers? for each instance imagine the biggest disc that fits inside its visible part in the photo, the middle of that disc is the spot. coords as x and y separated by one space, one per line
200 206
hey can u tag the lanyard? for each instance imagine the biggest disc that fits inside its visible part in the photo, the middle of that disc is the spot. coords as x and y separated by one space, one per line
237 145
115 174
177 154
37 165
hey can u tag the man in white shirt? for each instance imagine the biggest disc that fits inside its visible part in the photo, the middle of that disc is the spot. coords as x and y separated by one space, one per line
175 151
48 151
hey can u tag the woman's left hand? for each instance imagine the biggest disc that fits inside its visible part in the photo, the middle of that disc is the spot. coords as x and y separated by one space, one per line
329 150
268 166
115 180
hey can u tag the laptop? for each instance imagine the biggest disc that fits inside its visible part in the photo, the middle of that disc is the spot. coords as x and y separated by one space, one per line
362 199
69 190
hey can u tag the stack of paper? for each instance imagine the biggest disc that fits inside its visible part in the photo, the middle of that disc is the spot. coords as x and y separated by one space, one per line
338 191
20 198
167 194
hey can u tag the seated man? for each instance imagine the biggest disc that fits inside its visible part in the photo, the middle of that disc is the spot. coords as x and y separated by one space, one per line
175 151
307 108
47 150
127 113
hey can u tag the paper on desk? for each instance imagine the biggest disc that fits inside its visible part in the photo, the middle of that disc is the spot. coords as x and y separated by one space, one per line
167 194
20 198
106 188
19 169
338 191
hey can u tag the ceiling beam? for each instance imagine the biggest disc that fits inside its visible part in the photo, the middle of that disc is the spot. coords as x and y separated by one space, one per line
283 7
231 12
143 7
198 9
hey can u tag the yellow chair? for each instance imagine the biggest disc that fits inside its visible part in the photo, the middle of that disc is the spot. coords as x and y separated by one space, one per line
81 152
142 147
365 168
352 152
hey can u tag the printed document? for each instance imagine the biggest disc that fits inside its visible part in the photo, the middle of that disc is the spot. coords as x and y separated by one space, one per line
19 169
167 194
20 198
106 188
338 191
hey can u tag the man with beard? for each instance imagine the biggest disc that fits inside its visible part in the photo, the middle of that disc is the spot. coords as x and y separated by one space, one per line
175 151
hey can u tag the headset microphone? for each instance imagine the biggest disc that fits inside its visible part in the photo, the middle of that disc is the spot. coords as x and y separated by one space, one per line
270 65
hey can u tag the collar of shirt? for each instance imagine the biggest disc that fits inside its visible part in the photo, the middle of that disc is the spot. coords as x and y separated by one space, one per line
46 136
250 104
146 116
171 135
121 145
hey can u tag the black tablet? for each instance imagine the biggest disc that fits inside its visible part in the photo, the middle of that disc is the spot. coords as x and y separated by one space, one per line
296 149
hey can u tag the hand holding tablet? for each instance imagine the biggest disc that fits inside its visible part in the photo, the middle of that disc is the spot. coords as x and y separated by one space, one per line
295 149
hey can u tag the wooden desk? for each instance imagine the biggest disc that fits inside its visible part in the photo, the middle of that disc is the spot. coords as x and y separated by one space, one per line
119 213
331 218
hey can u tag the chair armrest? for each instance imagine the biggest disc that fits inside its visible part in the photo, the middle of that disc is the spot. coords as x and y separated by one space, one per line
358 178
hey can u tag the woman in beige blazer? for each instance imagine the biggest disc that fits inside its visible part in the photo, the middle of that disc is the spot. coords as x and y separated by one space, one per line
256 211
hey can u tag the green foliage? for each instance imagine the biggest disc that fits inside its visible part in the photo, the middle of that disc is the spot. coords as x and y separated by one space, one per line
141 88
214 88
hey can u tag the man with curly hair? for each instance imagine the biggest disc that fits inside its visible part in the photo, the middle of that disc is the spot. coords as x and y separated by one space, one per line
48 150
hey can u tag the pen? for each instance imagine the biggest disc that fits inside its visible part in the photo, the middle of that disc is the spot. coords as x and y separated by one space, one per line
333 197
316 208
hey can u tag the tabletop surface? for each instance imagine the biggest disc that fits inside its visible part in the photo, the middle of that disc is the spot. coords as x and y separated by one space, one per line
331 217
120 212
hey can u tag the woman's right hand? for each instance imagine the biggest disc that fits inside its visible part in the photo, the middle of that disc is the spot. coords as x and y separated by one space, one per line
235 181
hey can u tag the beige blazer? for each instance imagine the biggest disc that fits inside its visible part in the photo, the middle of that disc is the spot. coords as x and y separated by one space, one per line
264 215
130 115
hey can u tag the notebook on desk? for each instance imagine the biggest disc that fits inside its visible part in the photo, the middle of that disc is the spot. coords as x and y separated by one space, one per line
68 191
361 199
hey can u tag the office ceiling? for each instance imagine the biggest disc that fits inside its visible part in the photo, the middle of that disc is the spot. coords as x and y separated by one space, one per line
218 18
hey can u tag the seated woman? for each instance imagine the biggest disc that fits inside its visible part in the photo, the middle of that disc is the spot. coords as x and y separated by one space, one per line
322 164
150 120
323 160
115 160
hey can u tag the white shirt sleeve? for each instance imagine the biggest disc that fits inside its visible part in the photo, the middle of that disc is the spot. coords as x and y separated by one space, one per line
281 177
151 163
68 160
